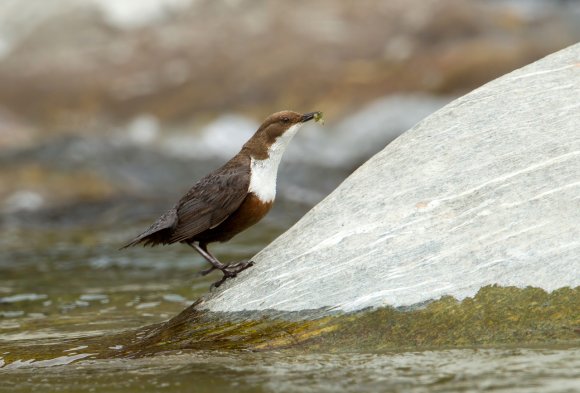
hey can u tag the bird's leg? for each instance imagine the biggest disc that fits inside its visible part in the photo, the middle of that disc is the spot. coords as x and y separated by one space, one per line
233 268
215 264
229 271
207 271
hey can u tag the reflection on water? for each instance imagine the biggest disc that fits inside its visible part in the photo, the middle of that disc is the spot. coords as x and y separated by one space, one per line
517 370
73 285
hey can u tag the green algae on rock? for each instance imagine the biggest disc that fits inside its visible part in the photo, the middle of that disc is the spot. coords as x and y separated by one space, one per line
495 316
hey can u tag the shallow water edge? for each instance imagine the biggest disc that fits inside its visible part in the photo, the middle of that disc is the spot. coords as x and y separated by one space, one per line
495 317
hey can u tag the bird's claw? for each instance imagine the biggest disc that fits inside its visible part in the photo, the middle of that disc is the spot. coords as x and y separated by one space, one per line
229 271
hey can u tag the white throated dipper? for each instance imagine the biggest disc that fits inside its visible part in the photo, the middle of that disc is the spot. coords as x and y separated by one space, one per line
230 199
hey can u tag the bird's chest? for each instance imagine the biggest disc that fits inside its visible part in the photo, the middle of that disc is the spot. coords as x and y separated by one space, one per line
263 174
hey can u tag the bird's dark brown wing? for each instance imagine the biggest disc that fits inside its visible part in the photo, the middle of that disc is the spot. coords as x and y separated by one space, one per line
211 201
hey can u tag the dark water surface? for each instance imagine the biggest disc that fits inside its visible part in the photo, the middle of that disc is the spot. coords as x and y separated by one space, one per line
76 283
514 370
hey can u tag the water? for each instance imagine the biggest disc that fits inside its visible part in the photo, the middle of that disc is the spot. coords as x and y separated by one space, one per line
69 285
66 284
461 370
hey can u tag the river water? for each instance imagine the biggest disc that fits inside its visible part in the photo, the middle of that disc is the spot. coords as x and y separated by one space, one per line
459 370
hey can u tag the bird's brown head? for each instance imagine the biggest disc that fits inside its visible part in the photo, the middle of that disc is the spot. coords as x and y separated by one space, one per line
275 132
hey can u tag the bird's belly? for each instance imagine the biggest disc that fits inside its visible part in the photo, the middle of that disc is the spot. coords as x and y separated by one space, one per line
249 213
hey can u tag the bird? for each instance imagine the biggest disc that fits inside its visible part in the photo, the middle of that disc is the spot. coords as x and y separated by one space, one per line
230 199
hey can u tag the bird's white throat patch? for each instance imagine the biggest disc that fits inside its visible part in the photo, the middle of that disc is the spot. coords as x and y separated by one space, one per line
264 172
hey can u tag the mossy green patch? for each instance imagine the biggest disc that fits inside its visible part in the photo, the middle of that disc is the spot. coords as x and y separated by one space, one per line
199 330
496 316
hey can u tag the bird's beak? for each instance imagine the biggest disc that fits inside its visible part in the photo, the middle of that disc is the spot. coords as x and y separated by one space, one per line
309 116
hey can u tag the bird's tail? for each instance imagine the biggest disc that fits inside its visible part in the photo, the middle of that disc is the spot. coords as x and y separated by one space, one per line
158 233
150 238
132 243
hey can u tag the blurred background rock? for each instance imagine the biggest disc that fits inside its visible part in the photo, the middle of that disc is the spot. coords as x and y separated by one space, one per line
110 109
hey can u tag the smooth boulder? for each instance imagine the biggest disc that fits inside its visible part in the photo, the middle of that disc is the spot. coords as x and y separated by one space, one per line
484 191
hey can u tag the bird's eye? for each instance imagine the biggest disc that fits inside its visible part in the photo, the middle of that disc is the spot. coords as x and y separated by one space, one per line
285 120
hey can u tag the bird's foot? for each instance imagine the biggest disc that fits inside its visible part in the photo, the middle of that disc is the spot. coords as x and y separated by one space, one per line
239 266
232 267
230 271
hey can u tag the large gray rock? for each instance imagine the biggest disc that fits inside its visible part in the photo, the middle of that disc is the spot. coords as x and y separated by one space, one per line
484 191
